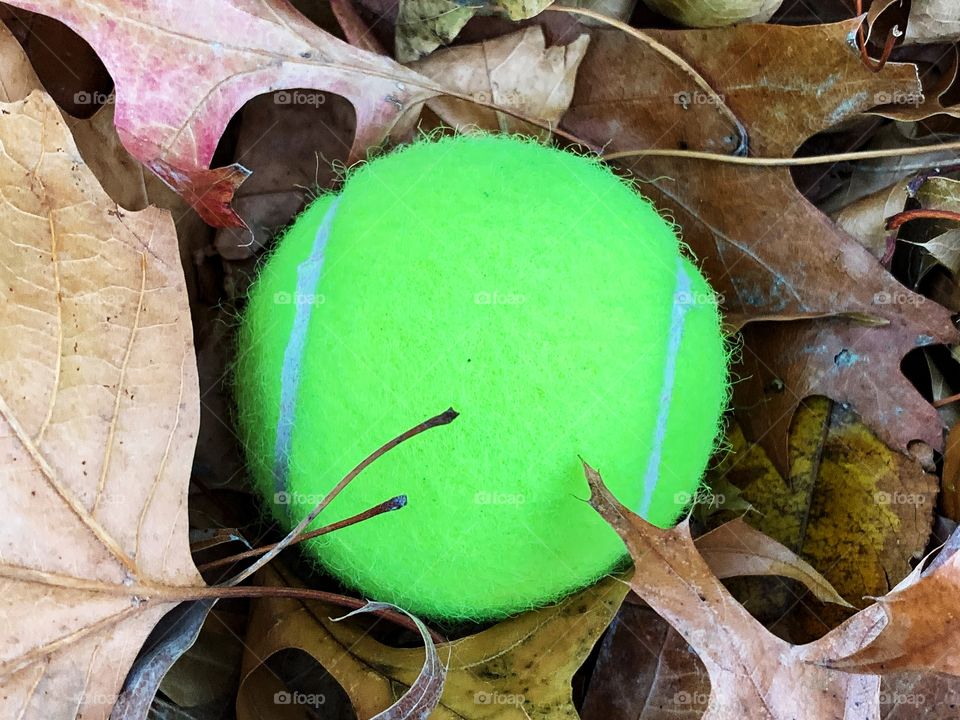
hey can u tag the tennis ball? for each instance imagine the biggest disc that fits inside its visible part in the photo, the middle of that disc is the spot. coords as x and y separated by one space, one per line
536 293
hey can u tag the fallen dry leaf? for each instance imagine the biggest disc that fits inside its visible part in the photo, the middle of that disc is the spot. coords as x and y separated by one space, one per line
427 688
206 60
918 622
940 239
99 410
716 13
735 549
753 674
520 668
424 25
866 218
645 671
933 21
858 511
762 245
514 71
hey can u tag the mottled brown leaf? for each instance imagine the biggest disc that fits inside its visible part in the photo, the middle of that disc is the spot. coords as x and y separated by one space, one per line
763 246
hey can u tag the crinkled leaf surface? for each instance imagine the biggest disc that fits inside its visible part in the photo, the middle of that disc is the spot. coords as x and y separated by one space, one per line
518 669
763 246
98 421
182 69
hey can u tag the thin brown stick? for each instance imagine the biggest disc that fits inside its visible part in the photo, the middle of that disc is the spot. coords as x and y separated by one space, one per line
444 418
868 62
673 57
394 503
218 592
898 220
946 401
787 161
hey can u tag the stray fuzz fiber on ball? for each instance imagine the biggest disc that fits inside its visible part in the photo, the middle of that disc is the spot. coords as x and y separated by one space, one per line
527 287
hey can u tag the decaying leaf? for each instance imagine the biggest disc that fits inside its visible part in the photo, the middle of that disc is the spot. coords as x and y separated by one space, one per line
858 511
753 674
716 13
427 688
645 669
425 25
206 60
520 668
866 218
514 71
933 21
99 410
920 628
942 239
735 549
762 245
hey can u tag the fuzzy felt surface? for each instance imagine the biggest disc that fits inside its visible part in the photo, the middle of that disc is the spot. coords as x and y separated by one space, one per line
537 294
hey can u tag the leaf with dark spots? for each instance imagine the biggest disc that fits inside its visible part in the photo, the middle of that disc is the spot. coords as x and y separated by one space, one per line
766 249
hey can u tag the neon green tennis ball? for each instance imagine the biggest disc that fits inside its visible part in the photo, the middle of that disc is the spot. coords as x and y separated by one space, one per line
537 294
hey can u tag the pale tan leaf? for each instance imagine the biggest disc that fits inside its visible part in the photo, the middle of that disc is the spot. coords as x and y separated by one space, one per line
98 420
866 218
514 71
735 549
933 21
753 674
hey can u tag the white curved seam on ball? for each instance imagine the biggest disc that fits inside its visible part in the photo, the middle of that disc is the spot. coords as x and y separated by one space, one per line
681 298
308 277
